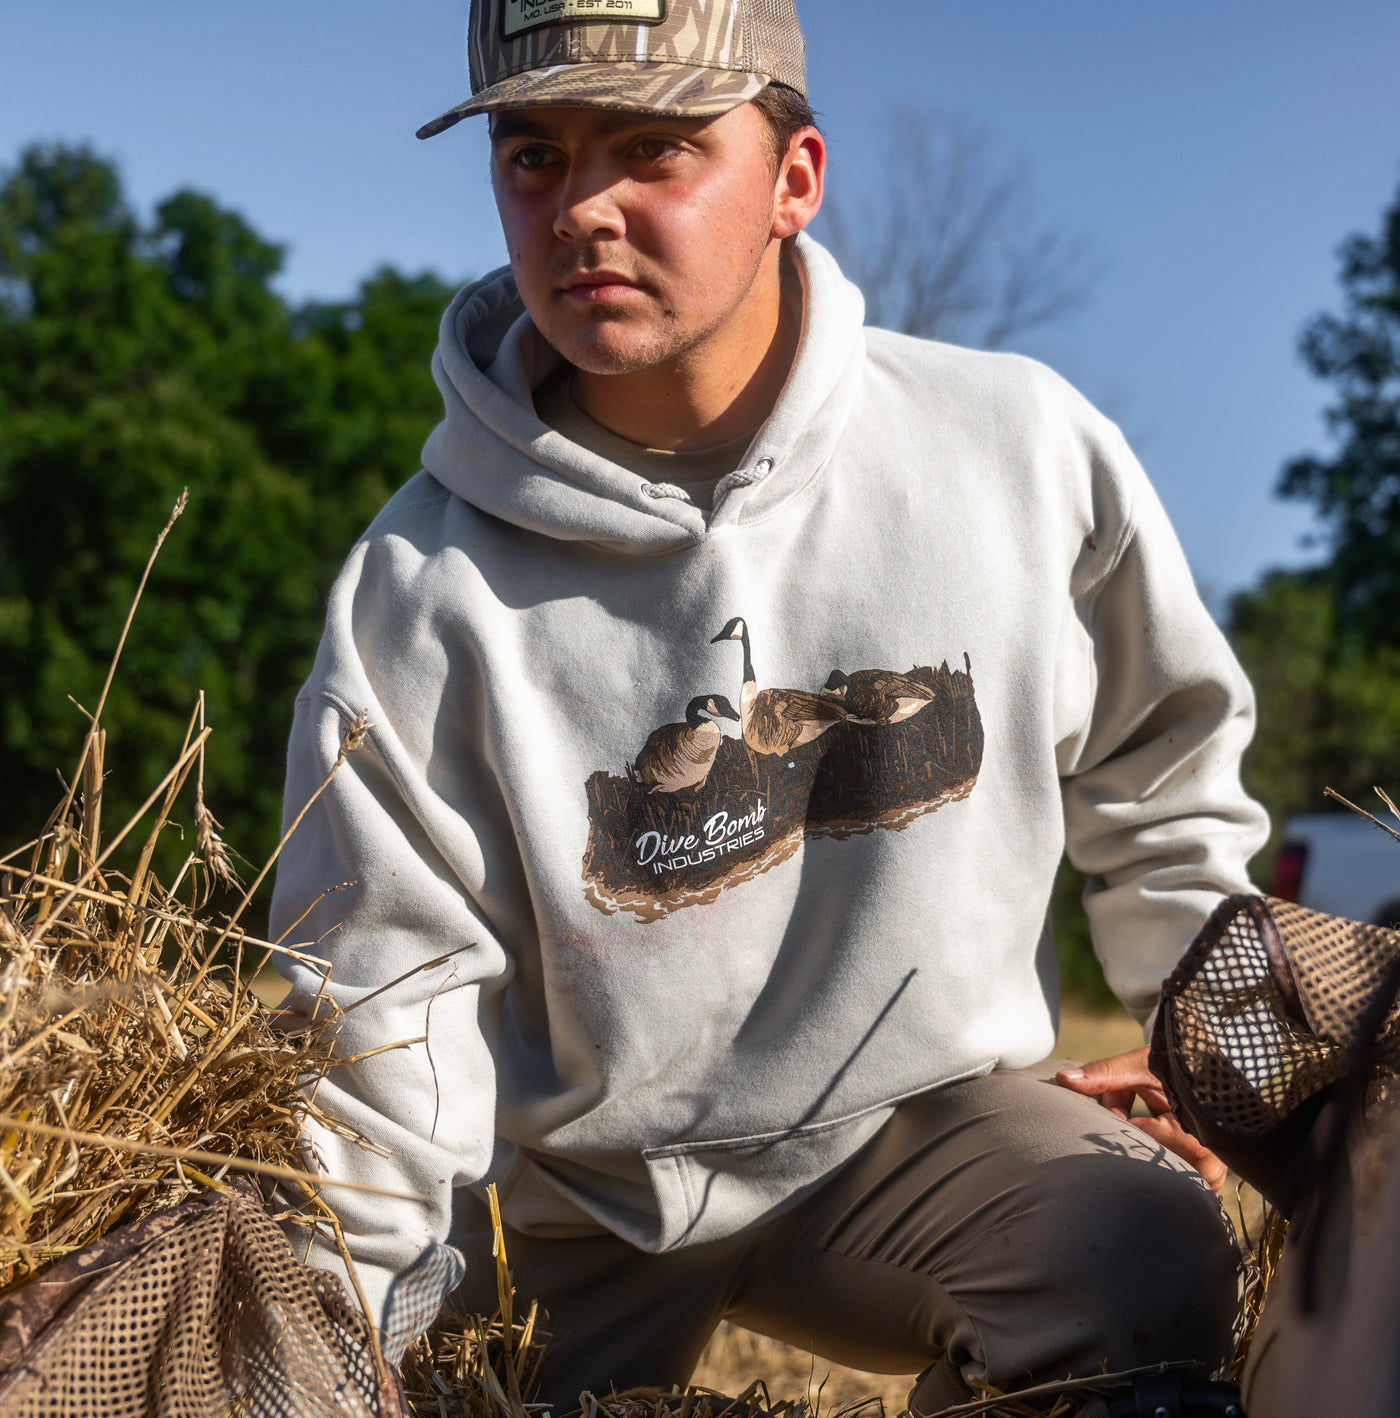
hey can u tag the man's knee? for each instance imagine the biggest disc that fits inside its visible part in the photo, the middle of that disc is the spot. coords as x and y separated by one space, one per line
1151 1263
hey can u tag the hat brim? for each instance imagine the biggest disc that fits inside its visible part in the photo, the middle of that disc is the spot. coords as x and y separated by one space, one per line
635 86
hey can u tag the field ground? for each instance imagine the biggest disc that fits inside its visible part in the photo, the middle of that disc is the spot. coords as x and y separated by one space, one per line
736 1357
1095 1034
269 987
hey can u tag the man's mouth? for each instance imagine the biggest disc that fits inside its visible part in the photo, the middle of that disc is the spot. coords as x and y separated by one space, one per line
598 287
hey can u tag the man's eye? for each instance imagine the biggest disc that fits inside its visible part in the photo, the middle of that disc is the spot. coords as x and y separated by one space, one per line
653 149
531 158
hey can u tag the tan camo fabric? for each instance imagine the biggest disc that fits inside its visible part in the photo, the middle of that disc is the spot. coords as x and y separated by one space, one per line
197 1312
1268 1007
701 56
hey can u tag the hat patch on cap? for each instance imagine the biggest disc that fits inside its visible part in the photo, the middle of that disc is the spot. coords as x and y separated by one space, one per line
521 16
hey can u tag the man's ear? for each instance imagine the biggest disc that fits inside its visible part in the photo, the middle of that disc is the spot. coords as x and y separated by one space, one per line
797 196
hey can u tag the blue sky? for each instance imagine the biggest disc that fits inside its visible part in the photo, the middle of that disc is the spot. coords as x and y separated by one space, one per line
1213 156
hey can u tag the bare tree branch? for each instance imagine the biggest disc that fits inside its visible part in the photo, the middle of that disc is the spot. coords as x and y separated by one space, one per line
950 248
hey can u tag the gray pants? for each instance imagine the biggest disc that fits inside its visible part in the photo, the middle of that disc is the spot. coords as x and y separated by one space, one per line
1004 1229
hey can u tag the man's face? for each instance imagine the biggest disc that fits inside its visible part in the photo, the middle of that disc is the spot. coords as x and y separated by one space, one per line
632 237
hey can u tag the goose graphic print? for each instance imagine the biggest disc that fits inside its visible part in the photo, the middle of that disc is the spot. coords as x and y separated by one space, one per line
700 811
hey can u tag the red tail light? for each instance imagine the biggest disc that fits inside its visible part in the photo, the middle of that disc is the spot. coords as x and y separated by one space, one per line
1288 870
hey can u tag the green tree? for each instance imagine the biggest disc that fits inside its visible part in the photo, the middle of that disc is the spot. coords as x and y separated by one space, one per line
139 359
1323 646
1328 697
1357 490
1081 974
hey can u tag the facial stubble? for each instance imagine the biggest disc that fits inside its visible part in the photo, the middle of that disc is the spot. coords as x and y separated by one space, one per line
665 341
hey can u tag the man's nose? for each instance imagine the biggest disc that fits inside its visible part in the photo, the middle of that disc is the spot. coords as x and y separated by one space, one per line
588 207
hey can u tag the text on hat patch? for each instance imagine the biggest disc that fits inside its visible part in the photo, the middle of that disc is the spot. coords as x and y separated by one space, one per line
520 16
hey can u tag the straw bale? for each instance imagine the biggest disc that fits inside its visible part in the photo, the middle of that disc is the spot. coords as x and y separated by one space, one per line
132 1059
135 1065
136 1068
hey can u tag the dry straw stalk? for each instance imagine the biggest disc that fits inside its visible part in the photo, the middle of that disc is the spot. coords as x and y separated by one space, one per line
135 1067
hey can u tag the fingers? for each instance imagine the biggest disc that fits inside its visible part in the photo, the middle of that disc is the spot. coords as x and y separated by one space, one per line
1168 1132
1121 1073
1117 1081
1118 1101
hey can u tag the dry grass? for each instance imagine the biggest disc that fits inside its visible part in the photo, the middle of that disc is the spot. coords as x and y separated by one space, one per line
135 1066
466 1366
734 1355
826 1388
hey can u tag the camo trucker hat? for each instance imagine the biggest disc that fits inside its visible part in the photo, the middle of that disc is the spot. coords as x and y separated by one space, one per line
683 57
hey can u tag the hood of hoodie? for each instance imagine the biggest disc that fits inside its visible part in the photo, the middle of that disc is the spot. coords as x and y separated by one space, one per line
493 451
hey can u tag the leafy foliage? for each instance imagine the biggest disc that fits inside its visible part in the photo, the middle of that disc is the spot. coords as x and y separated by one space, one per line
1323 646
1081 974
1357 491
1328 696
138 359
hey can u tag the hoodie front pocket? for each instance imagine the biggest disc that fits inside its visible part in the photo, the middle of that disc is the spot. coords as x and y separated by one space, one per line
706 1191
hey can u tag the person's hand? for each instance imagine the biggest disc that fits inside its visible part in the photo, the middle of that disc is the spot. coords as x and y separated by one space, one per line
1117 1081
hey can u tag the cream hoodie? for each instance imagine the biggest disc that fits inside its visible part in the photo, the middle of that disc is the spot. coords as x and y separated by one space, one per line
696 969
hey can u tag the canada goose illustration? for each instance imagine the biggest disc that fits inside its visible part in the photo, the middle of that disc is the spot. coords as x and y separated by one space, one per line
677 756
878 696
776 720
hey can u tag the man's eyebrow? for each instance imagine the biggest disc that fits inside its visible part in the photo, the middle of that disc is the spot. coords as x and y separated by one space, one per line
508 123
619 120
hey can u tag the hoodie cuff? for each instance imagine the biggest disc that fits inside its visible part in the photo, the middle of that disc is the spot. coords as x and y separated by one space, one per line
402 1304
414 1297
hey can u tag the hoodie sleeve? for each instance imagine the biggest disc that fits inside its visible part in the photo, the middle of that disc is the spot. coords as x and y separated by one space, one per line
1154 810
389 904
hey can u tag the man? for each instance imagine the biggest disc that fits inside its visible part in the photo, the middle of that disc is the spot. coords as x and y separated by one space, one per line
737 1001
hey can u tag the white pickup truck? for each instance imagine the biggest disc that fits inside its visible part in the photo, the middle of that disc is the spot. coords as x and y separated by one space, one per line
1339 863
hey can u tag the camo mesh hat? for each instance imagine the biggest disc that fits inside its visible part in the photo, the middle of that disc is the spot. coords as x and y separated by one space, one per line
684 57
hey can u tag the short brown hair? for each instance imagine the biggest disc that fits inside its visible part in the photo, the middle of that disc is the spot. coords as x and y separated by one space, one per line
786 113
